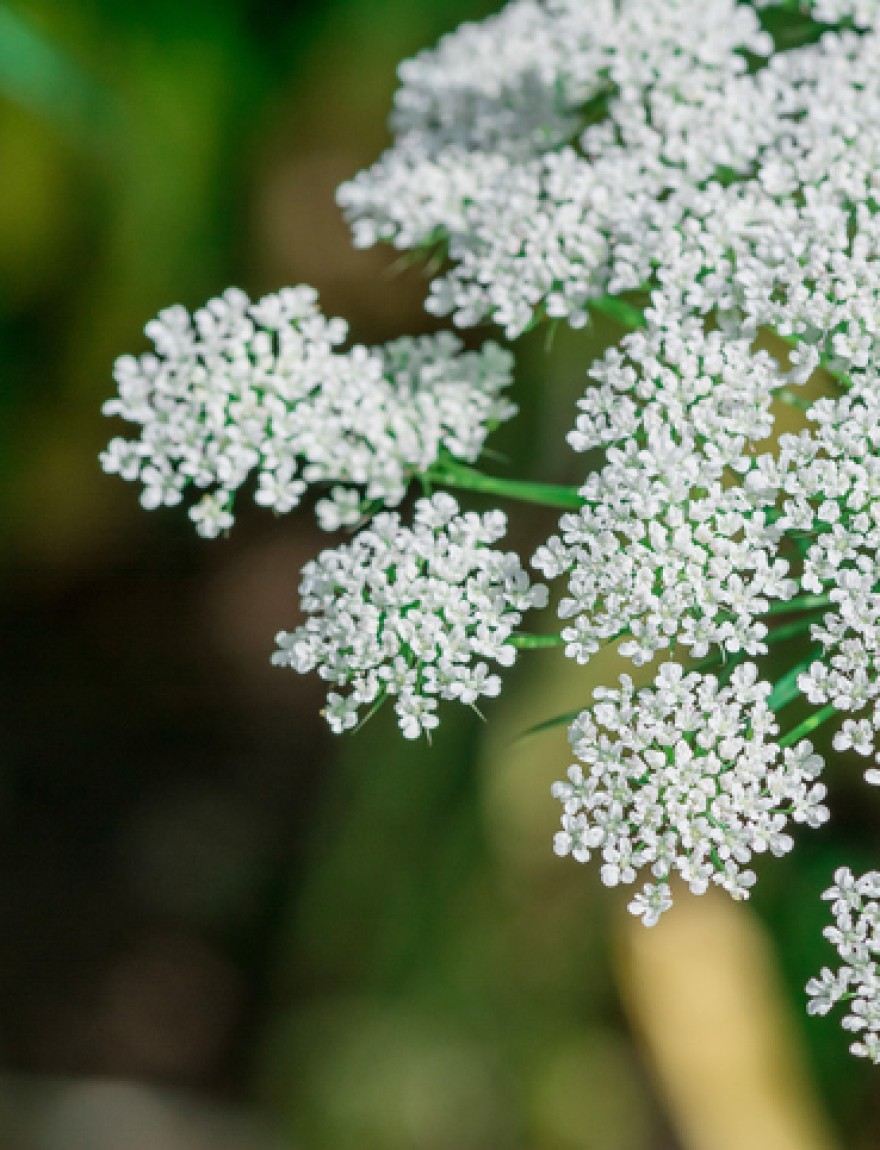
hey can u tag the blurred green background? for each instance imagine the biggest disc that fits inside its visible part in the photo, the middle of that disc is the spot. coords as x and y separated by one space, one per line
219 928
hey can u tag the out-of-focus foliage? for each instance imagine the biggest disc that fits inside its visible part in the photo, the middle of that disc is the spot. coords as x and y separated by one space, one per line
363 945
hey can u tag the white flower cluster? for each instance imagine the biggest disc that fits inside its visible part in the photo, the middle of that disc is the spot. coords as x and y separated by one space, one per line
557 153
830 478
684 777
498 159
855 904
793 246
666 549
411 613
712 388
243 389
862 13
536 224
687 534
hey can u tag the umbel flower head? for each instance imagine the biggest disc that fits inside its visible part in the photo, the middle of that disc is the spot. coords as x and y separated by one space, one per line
411 613
550 147
712 188
243 389
855 904
684 777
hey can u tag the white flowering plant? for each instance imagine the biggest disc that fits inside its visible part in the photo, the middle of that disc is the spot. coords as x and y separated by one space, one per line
707 174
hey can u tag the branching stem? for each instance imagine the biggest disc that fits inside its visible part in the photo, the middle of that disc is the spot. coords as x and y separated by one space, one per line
536 642
460 475
810 723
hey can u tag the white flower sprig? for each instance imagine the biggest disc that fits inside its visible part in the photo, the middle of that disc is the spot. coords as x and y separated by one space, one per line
667 547
715 192
684 777
496 156
243 389
855 904
411 613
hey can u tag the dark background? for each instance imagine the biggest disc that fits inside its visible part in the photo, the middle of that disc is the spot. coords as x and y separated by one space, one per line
220 928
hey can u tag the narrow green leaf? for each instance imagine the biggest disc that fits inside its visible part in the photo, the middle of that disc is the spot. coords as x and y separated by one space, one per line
549 724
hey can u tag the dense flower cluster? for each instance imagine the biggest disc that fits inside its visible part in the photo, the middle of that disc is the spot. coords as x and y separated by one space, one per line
855 904
245 388
533 217
684 777
516 139
833 476
411 613
665 548
558 156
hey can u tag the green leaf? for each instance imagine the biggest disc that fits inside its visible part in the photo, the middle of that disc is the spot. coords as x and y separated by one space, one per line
549 724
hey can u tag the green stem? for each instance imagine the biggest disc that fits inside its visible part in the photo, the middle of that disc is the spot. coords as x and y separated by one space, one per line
791 629
535 642
786 688
808 725
619 310
466 478
372 711
801 603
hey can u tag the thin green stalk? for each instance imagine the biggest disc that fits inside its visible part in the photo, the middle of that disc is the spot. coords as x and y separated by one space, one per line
383 696
808 725
801 603
797 627
619 310
786 689
557 721
717 658
536 642
525 491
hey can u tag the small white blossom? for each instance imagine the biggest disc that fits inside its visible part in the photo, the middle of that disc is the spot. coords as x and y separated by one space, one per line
665 550
684 777
247 388
855 904
650 903
411 613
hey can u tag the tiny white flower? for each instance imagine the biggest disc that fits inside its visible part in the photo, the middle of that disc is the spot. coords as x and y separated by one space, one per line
212 516
649 904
